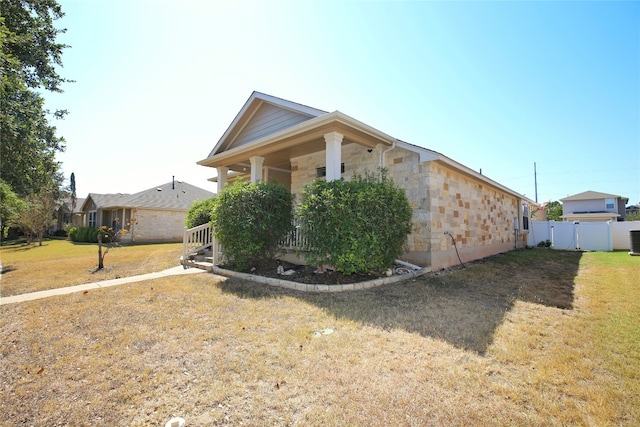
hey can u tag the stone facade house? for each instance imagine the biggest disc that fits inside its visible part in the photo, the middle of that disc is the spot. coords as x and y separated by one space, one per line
67 215
159 212
456 210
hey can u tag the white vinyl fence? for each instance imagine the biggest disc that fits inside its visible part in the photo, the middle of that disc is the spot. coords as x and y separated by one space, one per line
586 236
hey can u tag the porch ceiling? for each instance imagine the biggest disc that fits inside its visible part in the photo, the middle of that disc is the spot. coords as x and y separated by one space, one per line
303 139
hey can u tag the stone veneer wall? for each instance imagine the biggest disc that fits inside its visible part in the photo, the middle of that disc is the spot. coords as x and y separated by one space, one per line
406 171
478 215
355 157
158 225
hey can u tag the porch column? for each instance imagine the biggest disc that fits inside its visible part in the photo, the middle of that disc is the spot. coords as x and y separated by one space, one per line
222 178
256 168
334 155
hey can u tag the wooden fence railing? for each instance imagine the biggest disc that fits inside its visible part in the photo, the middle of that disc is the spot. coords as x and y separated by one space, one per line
202 238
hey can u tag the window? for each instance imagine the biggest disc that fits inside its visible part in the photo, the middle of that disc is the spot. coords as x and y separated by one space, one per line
91 219
322 171
525 216
609 204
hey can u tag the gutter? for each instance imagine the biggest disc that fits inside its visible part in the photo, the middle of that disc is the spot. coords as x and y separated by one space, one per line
384 153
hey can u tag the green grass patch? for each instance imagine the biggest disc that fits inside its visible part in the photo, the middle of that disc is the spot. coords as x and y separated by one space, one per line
59 263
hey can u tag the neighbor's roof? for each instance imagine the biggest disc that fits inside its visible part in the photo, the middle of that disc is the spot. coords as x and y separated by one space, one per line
177 195
592 195
593 216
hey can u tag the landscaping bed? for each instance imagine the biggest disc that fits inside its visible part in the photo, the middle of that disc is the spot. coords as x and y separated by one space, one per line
306 273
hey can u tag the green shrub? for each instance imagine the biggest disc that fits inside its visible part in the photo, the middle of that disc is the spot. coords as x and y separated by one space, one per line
84 234
199 213
73 234
250 220
544 244
356 226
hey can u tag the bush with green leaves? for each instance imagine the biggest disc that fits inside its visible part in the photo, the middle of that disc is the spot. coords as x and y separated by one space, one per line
250 220
199 213
632 216
84 234
72 233
356 226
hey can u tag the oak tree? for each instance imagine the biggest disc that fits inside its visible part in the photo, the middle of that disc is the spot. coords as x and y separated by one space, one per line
29 59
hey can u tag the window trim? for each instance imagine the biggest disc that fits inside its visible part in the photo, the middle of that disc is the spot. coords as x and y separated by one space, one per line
608 205
92 218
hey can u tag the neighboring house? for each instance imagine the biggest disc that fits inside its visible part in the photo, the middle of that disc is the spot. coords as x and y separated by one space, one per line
159 212
65 216
593 206
293 144
632 210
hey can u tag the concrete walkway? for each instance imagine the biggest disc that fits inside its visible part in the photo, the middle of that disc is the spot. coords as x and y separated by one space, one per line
174 271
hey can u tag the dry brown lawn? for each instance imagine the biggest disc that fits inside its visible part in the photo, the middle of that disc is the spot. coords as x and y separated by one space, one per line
529 338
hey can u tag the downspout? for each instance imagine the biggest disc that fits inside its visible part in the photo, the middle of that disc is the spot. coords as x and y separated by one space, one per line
383 154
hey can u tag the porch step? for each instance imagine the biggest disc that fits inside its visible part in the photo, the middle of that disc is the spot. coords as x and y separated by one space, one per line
204 264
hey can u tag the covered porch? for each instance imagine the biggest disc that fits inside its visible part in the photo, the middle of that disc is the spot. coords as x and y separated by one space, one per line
267 141
270 158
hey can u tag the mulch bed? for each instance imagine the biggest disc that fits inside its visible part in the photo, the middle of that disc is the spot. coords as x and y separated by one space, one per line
306 274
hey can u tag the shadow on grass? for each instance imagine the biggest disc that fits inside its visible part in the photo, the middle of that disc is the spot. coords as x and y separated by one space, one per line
6 269
462 306
23 247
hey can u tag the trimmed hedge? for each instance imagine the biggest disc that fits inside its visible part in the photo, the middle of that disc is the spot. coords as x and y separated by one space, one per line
250 220
356 226
199 213
84 234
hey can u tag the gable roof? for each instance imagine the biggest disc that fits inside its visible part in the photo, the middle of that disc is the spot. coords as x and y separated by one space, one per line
431 155
262 115
175 195
252 133
106 200
66 204
592 195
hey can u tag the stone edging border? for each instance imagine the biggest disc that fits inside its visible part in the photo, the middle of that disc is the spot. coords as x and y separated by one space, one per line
306 287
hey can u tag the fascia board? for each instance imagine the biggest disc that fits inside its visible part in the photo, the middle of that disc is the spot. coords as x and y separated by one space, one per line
87 201
603 216
468 171
360 126
283 103
305 126
290 105
425 155
234 123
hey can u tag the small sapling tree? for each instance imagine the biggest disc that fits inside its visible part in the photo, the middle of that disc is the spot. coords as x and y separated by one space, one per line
109 237
36 215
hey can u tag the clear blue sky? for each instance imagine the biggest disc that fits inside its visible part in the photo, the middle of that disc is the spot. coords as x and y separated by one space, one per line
495 85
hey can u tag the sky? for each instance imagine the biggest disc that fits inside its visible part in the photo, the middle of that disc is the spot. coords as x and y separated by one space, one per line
505 87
